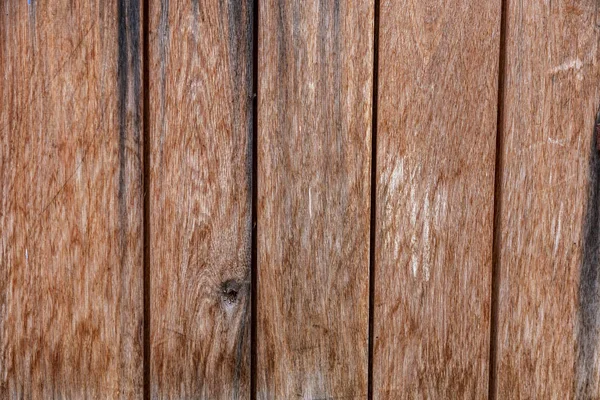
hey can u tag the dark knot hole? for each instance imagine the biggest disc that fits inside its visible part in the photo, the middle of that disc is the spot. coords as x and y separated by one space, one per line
230 291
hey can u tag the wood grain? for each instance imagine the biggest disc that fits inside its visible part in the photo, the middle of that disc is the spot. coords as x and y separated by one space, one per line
438 64
70 200
549 303
200 186
314 150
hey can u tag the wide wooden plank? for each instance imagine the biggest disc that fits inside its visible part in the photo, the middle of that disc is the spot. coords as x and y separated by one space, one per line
71 289
200 187
549 300
314 150
437 96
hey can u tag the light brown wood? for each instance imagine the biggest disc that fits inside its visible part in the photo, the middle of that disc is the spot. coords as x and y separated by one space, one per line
70 200
548 343
438 64
314 151
200 96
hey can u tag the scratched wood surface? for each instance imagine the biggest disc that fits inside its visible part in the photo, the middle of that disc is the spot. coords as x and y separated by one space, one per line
70 200
72 220
549 300
200 95
314 148
438 64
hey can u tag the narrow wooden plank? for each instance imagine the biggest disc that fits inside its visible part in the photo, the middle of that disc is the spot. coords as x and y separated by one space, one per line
70 200
549 301
435 193
314 148
200 186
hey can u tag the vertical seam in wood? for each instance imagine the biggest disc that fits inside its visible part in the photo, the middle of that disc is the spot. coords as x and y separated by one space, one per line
495 284
254 156
371 338
146 195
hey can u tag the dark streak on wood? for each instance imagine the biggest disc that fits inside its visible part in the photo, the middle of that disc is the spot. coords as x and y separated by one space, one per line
282 66
589 281
240 35
597 133
163 49
128 67
331 15
122 73
242 341
196 7
32 7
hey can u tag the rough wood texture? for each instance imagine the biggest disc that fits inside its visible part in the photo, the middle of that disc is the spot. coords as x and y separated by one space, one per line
70 200
435 189
314 150
200 95
549 310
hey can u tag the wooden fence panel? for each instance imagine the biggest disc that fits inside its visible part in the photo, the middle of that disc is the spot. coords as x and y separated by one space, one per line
71 287
314 151
72 215
549 300
200 215
437 97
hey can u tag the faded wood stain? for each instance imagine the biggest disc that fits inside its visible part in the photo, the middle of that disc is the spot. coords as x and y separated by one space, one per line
314 146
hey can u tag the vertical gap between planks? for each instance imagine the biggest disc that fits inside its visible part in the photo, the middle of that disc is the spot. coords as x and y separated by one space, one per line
146 195
495 298
254 157
372 227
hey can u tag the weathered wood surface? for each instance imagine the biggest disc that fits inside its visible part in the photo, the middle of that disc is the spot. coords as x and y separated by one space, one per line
314 150
437 96
201 130
70 200
549 300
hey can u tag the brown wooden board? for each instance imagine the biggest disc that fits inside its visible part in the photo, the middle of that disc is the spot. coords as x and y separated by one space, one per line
71 287
437 97
549 301
200 204
314 149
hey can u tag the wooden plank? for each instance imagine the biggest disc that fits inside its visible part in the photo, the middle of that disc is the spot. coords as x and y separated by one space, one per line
71 291
438 64
200 206
314 148
549 303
